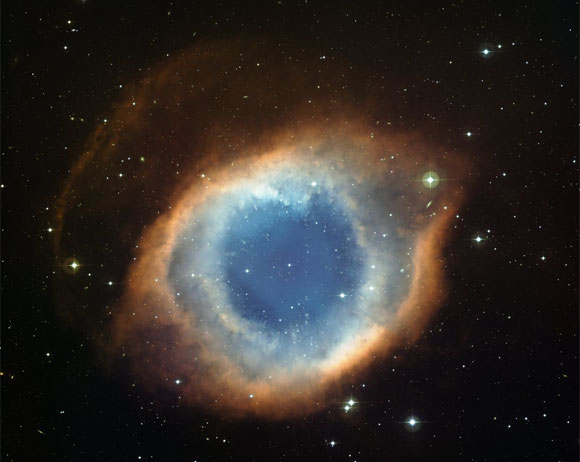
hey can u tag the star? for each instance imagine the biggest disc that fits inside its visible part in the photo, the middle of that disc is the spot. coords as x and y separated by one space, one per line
430 179
412 424
487 50
349 405
71 265
478 239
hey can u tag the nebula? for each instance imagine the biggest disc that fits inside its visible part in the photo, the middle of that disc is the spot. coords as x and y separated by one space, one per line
266 233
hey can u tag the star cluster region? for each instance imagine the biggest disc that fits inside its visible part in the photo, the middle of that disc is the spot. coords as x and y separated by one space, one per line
289 232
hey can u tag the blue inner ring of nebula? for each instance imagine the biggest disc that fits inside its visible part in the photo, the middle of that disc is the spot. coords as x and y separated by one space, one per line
291 266
230 270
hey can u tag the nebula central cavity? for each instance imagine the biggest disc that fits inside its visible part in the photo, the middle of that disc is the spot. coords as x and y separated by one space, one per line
289 265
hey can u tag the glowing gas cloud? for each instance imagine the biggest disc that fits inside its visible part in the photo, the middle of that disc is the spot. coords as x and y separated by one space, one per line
264 233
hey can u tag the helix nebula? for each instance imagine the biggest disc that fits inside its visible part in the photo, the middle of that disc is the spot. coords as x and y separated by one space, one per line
268 235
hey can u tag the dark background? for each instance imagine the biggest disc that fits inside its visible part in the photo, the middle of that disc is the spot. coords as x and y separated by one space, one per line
495 375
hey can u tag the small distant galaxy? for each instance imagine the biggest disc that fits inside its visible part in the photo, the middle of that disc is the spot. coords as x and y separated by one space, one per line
274 253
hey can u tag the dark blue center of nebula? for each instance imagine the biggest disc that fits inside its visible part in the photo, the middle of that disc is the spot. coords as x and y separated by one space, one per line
291 266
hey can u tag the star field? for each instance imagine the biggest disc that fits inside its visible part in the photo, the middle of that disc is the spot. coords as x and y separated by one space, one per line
212 215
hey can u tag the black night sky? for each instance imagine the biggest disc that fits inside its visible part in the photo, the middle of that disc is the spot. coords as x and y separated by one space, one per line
491 376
